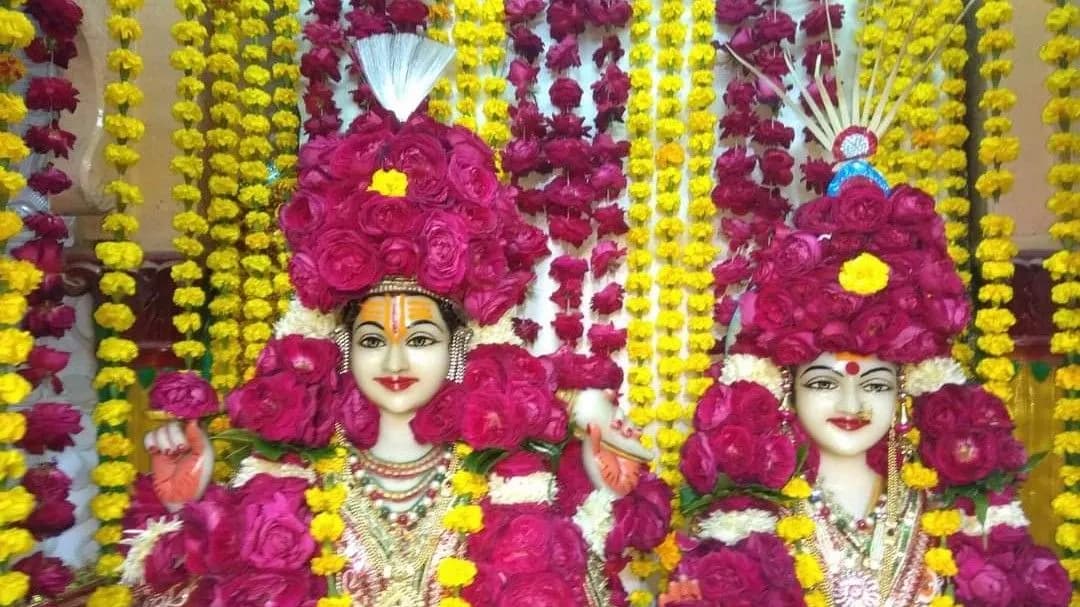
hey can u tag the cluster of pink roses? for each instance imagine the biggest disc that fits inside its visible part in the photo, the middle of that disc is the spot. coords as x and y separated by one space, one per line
294 396
966 435
508 398
758 570
52 515
1005 567
738 436
247 547
797 308
456 229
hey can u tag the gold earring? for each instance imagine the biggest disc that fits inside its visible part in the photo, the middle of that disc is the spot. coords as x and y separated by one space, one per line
343 338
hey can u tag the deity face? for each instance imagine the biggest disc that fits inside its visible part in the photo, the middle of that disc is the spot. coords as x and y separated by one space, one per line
400 351
845 402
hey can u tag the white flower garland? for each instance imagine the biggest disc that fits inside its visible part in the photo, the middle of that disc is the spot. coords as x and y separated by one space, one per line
254 466
142 542
594 518
535 488
1011 514
931 375
733 527
299 320
747 367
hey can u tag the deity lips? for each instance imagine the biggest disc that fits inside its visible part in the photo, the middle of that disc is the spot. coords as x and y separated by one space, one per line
849 424
396 384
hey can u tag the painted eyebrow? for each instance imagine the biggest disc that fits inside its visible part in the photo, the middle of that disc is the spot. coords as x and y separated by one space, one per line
371 323
426 322
822 368
876 369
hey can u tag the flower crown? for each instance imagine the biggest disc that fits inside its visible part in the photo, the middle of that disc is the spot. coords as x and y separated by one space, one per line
419 203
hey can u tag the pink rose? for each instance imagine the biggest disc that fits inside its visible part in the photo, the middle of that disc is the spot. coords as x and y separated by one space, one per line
278 408
421 157
487 306
439 421
1043 578
211 541
574 484
490 420
776 166
817 216
961 458
568 326
889 239
563 55
775 26
861 205
876 326
734 449
733 12
544 589
275 537
356 156
256 589
51 518
165 564
525 244
771 308
519 543
184 394
471 176
48 575
45 253
715 408
728 577
51 94
358 416
523 10
911 205
302 215
565 94
776 459
50 426
521 463
49 181
443 241
796 254
641 517
795 348
346 261
981 583
47 483
313 360
310 287
608 300
380 217
407 13
604 257
49 320
487 264
400 256
522 156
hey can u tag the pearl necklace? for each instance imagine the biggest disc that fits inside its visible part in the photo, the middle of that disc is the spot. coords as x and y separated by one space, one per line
429 473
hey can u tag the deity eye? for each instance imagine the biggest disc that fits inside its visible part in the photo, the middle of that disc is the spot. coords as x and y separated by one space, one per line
821 384
877 386
371 341
421 341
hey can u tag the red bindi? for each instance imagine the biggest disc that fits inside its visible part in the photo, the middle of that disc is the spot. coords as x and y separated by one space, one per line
852 368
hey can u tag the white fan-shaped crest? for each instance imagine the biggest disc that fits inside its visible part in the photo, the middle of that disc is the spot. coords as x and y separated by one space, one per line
402 69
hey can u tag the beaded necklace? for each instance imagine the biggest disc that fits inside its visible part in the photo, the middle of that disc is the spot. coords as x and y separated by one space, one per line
428 475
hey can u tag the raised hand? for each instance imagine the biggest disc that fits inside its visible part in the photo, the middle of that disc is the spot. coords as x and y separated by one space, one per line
181 460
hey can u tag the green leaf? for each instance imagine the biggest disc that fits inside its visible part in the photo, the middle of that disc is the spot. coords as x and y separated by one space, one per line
982 506
1033 461
483 460
269 450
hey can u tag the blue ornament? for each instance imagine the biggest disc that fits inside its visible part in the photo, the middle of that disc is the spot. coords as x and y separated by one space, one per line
857 168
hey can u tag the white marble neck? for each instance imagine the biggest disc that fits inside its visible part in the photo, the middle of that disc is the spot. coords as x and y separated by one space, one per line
396 442
850 482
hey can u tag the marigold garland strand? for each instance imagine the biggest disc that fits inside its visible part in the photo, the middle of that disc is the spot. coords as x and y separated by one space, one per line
285 133
223 211
1061 52
326 501
120 257
191 35
996 249
17 280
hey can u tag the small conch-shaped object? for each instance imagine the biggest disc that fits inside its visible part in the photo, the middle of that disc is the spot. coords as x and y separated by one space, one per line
614 457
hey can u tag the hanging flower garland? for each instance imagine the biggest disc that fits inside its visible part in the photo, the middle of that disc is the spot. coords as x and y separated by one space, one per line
996 249
222 211
319 65
465 36
1061 53
255 153
285 135
190 35
494 126
120 257
17 280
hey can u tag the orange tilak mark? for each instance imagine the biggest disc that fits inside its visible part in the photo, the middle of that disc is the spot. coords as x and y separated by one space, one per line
395 313
849 356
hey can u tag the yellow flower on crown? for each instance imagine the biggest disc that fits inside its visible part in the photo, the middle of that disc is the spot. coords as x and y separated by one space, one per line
389 183
864 275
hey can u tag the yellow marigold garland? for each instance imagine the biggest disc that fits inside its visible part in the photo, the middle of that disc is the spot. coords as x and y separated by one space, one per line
255 152
996 249
440 15
120 257
466 35
285 132
1061 53
465 517
326 502
493 127
191 35
223 211
17 280
668 231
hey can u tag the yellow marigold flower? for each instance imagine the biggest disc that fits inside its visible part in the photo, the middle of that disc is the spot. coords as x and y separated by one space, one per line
335 601
942 523
11 183
123 94
12 464
326 500
454 601
126 193
469 484
994 320
640 598
15 346
327 526
1065 343
189 349
996 369
454 572
998 270
14 586
120 224
117 317
15 541
327 563
112 444
16 30
117 350
940 561
119 377
12 425
116 595
113 474
808 570
1068 536
995 345
794 528
15 505
1067 505
10 224
864 275
12 148
109 506
122 255
918 476
1066 443
797 488
942 601
109 564
464 518
113 412
19 276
